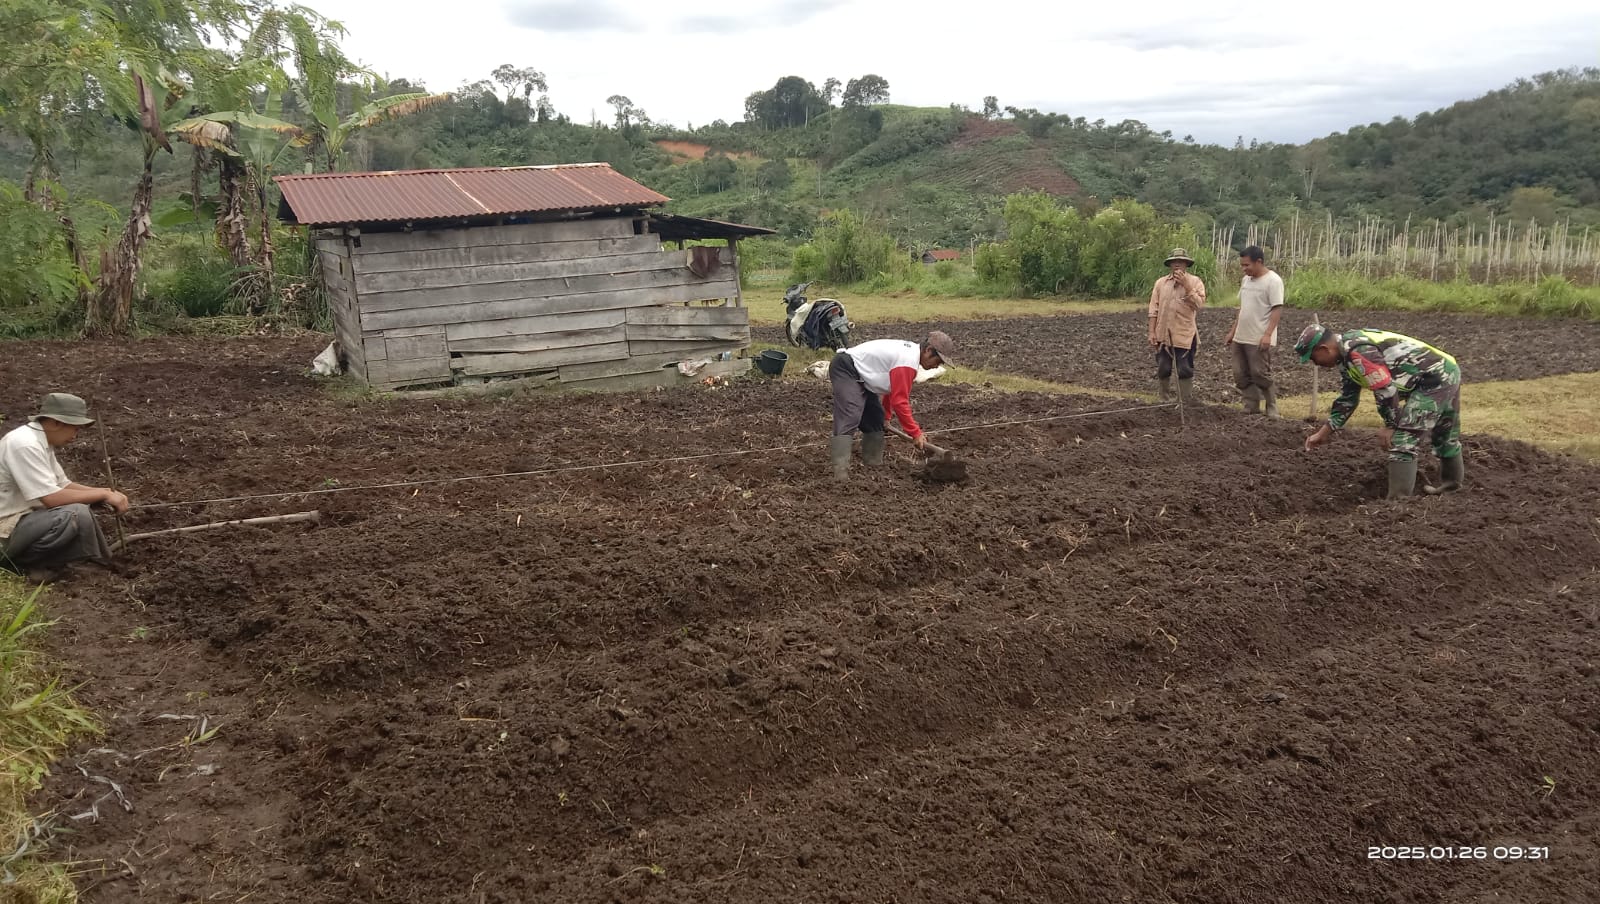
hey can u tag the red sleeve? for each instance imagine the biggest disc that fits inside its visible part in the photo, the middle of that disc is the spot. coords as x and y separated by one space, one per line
898 402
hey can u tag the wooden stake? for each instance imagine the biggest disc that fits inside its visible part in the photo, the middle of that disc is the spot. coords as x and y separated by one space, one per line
111 479
1315 373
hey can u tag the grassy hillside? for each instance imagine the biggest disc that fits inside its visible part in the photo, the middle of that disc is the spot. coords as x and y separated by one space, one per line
935 176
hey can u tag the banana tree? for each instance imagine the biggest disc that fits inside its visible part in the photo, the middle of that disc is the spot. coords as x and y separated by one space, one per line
332 139
250 145
324 71
110 309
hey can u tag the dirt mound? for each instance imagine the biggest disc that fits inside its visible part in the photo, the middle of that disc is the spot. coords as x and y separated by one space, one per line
1130 659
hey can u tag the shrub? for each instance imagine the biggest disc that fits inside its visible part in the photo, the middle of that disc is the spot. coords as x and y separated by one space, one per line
997 266
187 273
35 269
806 265
852 250
1053 249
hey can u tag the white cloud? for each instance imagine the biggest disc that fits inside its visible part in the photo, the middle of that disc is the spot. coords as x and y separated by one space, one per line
1279 73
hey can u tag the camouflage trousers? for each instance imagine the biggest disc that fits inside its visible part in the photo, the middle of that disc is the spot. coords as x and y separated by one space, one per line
1435 411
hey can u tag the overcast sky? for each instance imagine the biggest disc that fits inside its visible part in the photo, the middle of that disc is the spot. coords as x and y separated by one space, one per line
1284 71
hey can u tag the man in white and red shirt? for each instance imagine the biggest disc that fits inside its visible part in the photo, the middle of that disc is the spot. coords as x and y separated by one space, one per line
871 379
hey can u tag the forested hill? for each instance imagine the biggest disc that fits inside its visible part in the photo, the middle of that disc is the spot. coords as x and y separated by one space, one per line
935 176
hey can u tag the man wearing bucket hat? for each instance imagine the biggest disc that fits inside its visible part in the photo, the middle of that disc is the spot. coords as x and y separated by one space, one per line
1417 387
863 373
1174 302
45 521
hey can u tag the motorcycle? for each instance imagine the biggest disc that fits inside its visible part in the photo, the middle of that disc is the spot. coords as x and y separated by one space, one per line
814 324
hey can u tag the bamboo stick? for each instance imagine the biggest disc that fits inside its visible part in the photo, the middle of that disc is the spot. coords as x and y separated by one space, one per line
311 517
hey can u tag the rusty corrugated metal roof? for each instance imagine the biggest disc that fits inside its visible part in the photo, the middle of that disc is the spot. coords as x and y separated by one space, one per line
326 199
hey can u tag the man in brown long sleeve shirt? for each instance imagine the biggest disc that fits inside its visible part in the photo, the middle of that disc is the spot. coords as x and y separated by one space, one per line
1174 302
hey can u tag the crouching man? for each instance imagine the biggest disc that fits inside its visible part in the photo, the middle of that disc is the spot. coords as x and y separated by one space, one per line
1418 390
45 521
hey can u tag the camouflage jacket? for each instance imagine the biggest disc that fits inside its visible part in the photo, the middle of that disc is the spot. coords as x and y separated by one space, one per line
1392 366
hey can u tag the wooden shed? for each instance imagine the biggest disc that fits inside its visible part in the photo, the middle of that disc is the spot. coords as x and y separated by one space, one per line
549 274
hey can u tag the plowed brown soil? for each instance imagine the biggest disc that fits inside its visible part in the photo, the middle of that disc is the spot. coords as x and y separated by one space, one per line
1109 351
1129 660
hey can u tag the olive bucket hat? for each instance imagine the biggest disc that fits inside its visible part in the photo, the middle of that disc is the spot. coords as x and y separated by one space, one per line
1310 338
1178 254
64 407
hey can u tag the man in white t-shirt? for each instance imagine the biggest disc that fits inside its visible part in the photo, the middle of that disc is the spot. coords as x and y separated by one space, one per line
872 381
1255 332
45 521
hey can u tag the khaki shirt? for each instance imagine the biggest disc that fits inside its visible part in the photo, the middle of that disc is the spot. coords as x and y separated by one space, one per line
1174 306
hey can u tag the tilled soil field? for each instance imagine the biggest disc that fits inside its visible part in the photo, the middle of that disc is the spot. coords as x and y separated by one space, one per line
1109 351
1129 660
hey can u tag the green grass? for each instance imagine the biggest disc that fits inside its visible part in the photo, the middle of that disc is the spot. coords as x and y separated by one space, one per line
765 301
800 358
1337 290
38 718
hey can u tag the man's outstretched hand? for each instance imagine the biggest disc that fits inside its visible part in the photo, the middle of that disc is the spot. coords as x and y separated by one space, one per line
1322 437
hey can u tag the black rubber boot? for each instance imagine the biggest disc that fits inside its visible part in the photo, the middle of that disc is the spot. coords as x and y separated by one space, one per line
839 454
1402 479
1452 473
871 449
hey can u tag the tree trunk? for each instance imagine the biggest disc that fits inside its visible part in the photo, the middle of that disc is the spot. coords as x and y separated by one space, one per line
263 279
41 169
264 254
233 230
111 309
69 231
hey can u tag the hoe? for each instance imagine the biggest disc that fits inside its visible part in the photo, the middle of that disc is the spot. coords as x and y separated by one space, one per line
942 465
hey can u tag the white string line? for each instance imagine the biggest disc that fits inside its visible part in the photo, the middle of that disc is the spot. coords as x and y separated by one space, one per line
569 469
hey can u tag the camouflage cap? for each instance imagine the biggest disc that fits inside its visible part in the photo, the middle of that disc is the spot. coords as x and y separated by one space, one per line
1310 338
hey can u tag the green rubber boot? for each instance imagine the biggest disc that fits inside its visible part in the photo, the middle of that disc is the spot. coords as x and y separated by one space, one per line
1452 473
1185 392
872 449
1402 479
839 454
1271 394
1164 389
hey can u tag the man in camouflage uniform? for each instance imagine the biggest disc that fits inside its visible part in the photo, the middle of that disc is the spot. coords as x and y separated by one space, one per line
1417 387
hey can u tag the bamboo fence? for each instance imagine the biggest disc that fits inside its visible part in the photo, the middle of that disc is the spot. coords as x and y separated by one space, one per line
1499 251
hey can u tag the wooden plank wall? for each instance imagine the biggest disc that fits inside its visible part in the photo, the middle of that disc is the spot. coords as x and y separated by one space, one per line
576 301
338 276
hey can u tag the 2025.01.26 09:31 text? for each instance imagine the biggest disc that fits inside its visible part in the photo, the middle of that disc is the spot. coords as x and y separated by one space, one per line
1455 852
